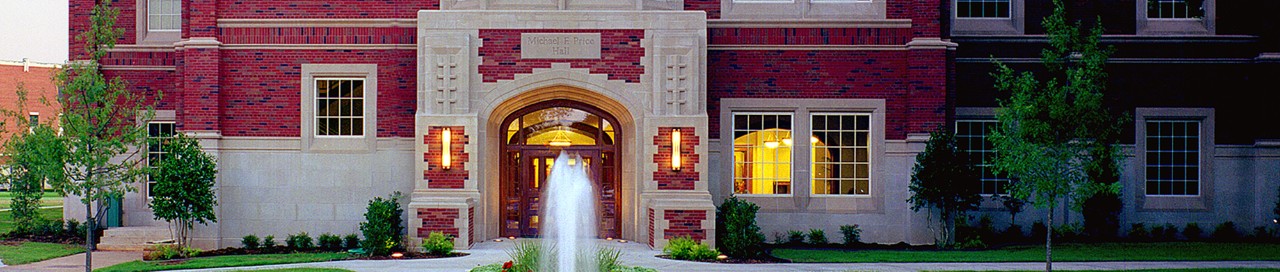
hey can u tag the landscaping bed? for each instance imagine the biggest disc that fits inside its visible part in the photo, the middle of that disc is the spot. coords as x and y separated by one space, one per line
286 250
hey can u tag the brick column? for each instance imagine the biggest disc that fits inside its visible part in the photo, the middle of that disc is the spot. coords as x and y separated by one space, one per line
199 95
436 175
670 179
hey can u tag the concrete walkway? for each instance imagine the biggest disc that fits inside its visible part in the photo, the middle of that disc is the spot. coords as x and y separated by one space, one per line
640 255
76 262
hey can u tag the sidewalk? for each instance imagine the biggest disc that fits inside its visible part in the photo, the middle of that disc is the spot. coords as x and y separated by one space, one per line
640 255
76 262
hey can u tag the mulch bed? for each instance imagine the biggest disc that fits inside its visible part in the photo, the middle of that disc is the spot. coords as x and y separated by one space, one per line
286 250
766 258
10 239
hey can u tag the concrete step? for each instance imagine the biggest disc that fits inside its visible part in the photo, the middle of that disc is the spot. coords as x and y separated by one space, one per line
133 238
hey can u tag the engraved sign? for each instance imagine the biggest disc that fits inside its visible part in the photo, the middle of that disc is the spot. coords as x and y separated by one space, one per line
560 45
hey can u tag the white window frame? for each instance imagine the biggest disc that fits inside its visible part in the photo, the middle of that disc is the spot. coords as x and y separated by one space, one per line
870 144
802 196
153 14
791 189
149 36
1199 202
147 188
315 117
983 165
955 11
338 144
1176 26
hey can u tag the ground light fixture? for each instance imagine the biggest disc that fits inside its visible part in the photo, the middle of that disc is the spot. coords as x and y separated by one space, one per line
675 149
397 255
446 159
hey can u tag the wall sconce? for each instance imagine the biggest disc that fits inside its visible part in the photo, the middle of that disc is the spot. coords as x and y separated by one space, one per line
446 158
675 149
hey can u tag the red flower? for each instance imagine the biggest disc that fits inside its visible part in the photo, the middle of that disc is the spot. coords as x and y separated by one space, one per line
507 265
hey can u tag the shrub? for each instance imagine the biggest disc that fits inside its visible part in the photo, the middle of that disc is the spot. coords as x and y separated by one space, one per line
777 238
351 241
1226 232
817 237
736 229
1037 231
1068 232
329 241
437 243
249 241
1012 234
1165 233
974 242
381 227
607 259
526 256
1192 232
169 252
74 228
684 248
795 237
852 234
299 241
1138 232
269 241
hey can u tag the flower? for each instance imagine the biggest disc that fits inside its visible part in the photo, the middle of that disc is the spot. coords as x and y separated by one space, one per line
507 265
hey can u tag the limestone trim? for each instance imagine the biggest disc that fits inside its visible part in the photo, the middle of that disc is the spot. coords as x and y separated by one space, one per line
466 20
809 23
1203 201
367 142
808 47
803 9
934 43
802 198
317 22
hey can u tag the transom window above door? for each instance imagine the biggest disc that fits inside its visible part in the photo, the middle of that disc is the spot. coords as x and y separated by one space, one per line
560 126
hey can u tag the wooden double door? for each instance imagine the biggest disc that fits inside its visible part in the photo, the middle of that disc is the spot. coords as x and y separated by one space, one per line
525 171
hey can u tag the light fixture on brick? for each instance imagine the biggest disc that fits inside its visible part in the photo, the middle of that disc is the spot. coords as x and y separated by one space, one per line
446 159
675 149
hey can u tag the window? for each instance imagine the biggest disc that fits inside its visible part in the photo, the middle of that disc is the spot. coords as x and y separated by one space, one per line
1175 9
841 153
339 107
164 15
982 8
762 153
158 133
33 119
971 138
1173 157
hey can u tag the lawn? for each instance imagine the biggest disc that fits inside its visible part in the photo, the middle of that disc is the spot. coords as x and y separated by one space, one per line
1173 270
49 199
6 219
1181 251
230 261
304 269
34 252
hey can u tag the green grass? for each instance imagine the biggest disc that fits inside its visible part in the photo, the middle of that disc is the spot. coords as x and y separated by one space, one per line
228 261
1181 251
6 219
1172 270
49 199
35 252
303 269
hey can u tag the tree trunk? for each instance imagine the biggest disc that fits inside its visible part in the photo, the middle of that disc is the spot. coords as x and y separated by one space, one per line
88 236
1048 243
949 228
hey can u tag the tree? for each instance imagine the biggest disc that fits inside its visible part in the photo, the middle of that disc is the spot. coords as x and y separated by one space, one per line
100 128
27 157
943 179
183 193
1052 131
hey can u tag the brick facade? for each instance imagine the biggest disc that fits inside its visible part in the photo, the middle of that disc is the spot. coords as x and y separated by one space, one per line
684 223
273 9
437 177
438 220
318 35
620 54
38 83
667 178
712 7
808 36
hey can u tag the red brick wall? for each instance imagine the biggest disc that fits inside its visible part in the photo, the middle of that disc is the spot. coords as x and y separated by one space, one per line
437 219
437 177
158 58
318 35
262 96
928 73
200 18
471 225
813 74
667 178
38 82
324 9
199 107
685 223
620 54
809 36
651 226
149 83
712 7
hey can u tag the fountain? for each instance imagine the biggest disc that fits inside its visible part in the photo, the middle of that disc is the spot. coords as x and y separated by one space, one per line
569 217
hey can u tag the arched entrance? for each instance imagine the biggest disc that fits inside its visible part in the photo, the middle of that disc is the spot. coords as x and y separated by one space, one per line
532 137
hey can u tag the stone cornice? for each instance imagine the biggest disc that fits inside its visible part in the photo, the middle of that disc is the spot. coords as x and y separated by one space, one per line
317 22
